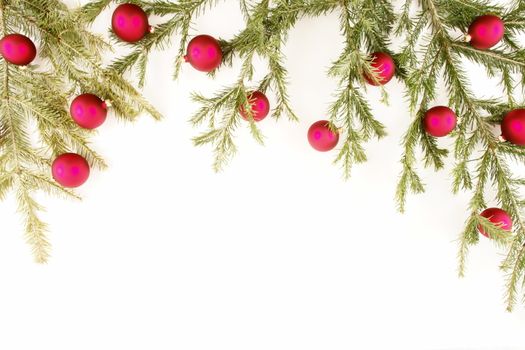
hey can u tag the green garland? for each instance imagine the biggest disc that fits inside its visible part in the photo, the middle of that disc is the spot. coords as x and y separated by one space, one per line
430 60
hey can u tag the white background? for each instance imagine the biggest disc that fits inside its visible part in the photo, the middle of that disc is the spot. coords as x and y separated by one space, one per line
276 252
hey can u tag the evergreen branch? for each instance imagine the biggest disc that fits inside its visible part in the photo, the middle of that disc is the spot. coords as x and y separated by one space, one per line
493 58
473 129
35 228
19 145
42 95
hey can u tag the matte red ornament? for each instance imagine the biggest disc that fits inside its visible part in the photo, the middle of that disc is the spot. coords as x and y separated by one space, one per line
513 127
130 23
439 121
385 67
70 170
88 111
17 49
204 53
260 106
321 137
486 31
498 217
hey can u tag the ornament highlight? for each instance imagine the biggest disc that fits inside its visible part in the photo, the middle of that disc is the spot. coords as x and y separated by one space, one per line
17 49
385 67
498 217
260 106
204 53
486 31
130 23
321 137
513 127
70 170
439 121
88 111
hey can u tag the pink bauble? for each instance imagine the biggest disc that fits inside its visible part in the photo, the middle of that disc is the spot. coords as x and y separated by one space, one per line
439 121
70 170
498 217
321 137
385 67
130 22
204 53
17 49
486 31
260 106
513 127
88 111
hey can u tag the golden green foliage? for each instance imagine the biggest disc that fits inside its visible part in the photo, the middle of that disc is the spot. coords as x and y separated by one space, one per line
34 101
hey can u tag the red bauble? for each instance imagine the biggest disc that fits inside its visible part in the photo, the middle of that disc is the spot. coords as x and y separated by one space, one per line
204 53
321 137
513 127
385 67
486 31
439 121
17 49
88 111
130 22
498 217
260 106
70 170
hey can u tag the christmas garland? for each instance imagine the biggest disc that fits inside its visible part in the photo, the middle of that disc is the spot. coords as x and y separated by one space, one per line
437 35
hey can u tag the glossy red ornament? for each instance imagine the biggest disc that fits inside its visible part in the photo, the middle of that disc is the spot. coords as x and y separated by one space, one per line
17 49
260 106
439 121
204 53
321 137
513 127
498 217
486 31
88 111
70 170
130 23
385 67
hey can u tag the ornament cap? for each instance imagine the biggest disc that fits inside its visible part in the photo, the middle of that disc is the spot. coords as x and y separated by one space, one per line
151 29
502 138
468 38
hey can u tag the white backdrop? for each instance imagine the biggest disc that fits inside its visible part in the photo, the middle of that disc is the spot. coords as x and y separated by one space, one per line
276 252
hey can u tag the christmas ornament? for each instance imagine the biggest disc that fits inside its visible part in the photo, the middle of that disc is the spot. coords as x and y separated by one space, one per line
130 23
88 111
486 31
70 170
439 121
385 67
513 127
260 106
498 217
321 137
17 49
204 53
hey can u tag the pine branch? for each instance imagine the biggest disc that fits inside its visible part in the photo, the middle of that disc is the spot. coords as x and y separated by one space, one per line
442 53
39 97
